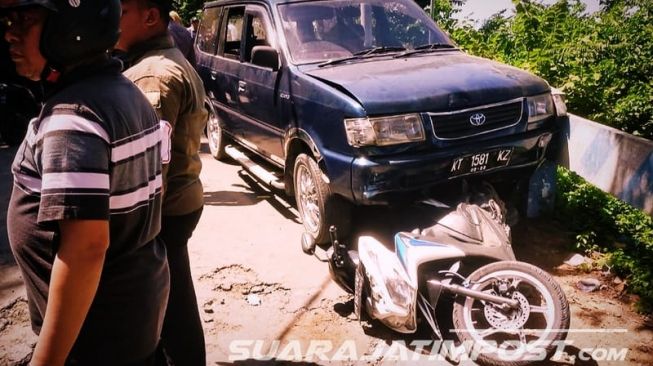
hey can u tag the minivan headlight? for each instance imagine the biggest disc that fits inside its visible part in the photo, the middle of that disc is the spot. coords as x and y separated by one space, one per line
382 131
540 107
559 102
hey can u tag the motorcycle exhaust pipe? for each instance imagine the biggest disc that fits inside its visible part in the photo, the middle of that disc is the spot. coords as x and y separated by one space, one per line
460 290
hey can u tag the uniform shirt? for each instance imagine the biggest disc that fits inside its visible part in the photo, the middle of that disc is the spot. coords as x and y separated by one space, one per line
177 94
93 154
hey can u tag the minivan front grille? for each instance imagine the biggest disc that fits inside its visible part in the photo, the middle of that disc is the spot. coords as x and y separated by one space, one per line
476 121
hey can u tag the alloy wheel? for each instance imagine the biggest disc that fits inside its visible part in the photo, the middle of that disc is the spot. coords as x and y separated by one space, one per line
308 199
214 133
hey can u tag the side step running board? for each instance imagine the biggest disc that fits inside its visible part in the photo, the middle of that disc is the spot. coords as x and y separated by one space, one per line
258 171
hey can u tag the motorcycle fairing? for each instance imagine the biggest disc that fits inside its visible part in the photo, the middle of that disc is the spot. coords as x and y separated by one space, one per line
393 278
393 275
473 230
412 252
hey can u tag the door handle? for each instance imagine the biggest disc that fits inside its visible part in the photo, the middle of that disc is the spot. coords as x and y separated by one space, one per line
214 75
242 86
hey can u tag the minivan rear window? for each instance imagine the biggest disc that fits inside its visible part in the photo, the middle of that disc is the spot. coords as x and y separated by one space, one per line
233 32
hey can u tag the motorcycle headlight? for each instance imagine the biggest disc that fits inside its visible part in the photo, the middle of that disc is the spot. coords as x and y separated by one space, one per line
383 131
559 102
399 289
540 107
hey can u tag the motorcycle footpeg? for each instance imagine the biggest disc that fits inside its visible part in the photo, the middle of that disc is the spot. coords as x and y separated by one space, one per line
339 250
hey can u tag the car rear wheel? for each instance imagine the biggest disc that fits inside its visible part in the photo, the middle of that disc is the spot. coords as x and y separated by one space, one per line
318 207
215 135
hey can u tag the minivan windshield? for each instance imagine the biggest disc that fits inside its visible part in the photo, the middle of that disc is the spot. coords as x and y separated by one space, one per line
319 31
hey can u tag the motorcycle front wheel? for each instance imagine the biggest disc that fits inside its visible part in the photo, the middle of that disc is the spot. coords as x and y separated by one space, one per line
502 335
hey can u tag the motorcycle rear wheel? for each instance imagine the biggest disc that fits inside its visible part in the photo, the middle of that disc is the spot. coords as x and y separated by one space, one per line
512 337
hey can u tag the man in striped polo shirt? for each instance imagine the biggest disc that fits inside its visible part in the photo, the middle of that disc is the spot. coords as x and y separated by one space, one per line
85 209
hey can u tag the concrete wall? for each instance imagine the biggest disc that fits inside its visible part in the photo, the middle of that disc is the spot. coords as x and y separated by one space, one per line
615 161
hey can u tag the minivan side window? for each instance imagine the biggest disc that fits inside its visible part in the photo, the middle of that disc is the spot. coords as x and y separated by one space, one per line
208 30
232 32
256 32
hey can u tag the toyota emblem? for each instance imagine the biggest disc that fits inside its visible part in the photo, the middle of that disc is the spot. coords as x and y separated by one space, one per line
477 119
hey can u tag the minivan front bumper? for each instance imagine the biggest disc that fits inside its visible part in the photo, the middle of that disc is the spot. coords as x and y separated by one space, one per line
384 180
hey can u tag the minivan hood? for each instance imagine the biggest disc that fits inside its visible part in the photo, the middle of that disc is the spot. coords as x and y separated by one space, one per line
440 81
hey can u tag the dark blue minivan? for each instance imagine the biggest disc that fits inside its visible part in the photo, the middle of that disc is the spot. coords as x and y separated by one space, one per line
363 102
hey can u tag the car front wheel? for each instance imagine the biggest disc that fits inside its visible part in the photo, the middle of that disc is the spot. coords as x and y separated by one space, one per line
318 207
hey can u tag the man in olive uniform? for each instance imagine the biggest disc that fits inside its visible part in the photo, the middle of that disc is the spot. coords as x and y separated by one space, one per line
176 92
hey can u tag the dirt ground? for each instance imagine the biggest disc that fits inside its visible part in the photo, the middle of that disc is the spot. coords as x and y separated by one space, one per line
256 287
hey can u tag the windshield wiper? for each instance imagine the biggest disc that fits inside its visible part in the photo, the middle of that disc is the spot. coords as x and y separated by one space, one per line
426 48
362 54
379 49
338 60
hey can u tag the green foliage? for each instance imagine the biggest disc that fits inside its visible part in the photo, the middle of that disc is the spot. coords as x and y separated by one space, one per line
604 61
188 9
443 11
605 224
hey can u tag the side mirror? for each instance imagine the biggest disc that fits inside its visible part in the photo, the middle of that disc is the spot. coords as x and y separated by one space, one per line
265 56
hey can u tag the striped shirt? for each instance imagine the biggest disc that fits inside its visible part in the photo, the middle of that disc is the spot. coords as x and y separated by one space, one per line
94 154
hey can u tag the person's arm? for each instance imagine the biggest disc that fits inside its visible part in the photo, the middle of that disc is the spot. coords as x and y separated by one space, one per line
73 284
165 95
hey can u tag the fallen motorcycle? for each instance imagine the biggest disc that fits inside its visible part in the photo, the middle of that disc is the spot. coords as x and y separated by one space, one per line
511 312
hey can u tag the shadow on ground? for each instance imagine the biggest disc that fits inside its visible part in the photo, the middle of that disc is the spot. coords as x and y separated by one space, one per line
272 362
542 242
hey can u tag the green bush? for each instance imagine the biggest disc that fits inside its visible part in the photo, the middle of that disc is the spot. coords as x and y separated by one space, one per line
603 61
604 223
188 9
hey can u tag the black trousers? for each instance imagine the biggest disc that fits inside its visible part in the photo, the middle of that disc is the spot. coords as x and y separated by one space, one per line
182 337
155 359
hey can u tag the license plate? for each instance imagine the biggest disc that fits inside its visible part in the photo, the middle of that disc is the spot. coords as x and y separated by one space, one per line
480 162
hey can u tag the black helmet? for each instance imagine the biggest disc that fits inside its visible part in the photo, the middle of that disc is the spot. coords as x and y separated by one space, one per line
75 29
